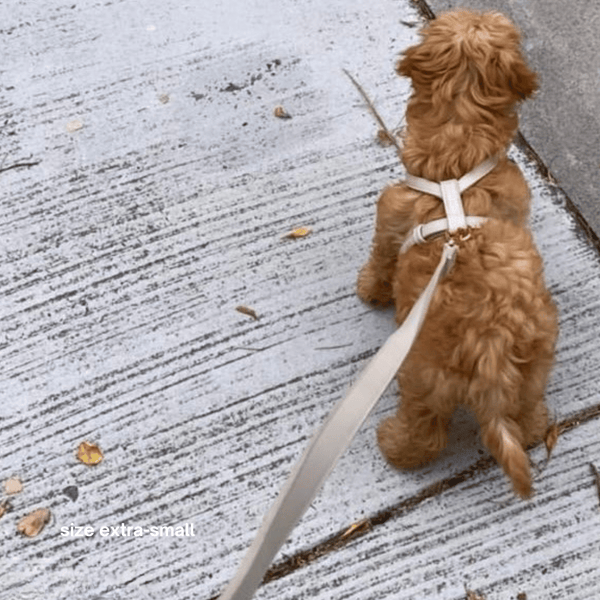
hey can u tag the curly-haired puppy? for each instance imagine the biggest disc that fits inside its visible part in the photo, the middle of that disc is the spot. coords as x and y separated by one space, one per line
488 339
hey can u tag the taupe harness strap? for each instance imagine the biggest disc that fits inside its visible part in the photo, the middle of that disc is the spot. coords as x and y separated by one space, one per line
466 181
425 231
453 205
450 192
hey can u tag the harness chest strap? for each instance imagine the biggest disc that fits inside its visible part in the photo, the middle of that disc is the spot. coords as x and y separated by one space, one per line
450 192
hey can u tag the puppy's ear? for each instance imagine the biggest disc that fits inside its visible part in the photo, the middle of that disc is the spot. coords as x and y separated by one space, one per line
430 62
407 62
513 74
520 79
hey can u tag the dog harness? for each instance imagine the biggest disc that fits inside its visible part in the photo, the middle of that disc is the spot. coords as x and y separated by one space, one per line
450 192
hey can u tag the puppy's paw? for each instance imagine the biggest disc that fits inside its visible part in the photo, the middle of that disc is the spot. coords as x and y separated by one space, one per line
370 288
399 449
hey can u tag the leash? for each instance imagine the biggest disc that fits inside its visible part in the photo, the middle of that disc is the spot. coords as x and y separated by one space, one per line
340 427
330 442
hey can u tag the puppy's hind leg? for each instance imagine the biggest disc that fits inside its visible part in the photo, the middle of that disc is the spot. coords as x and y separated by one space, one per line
414 436
533 415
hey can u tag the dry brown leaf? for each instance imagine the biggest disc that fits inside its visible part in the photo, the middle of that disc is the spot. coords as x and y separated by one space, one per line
551 438
13 486
281 113
471 595
246 310
89 454
522 596
385 139
299 232
34 522
359 527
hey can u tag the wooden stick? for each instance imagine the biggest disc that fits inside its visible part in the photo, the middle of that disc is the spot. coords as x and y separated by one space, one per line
21 165
374 112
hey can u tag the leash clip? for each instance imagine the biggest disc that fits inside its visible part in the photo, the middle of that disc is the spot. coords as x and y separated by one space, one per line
449 252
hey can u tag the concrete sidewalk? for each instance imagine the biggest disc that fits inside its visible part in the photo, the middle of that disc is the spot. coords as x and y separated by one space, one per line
146 189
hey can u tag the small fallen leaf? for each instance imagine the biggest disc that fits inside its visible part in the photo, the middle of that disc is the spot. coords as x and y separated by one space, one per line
34 522
245 310
89 454
281 113
164 98
385 139
300 232
74 125
471 595
359 527
551 438
522 596
13 486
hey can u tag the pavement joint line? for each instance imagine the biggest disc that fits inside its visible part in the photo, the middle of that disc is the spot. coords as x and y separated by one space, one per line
521 142
358 530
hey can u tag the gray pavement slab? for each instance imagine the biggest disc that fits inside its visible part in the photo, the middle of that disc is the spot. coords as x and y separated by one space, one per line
164 186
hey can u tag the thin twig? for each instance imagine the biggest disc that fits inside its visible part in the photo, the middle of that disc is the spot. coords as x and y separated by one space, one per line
333 347
596 475
21 165
374 112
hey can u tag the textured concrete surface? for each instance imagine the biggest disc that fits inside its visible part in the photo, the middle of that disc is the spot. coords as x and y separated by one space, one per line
146 186
562 42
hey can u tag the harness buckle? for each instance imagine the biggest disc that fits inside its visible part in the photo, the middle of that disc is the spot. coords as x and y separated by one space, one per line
459 236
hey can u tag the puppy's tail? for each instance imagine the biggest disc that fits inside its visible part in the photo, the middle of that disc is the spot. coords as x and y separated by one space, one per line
498 373
502 437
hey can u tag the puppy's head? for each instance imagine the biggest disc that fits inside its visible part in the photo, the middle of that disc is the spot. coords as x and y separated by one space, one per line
464 53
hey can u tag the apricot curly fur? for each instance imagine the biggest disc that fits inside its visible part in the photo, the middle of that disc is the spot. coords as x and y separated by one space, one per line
488 339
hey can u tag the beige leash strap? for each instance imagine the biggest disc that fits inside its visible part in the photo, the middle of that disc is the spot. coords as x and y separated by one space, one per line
330 442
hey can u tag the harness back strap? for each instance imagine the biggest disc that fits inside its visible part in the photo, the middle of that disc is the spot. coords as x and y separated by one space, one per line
450 192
